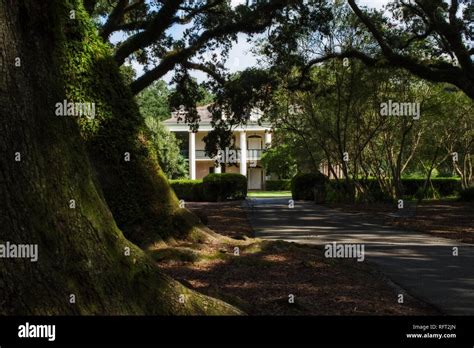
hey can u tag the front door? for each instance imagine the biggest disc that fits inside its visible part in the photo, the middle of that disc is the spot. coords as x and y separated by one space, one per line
255 179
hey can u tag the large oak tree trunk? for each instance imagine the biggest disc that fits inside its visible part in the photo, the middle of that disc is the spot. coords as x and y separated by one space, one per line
43 166
134 186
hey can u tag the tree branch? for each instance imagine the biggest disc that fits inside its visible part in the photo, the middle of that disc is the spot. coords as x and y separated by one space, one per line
461 76
155 28
433 72
248 24
114 19
137 25
372 28
206 69
453 9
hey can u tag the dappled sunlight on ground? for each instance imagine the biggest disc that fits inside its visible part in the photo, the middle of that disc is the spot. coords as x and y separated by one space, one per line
264 277
446 219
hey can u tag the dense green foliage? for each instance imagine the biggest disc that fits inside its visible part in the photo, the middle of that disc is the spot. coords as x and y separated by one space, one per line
441 186
213 188
188 190
219 187
154 107
167 147
370 190
279 160
305 185
206 96
154 104
153 101
339 125
278 185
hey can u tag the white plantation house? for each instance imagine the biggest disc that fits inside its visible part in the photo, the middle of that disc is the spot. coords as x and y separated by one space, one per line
250 140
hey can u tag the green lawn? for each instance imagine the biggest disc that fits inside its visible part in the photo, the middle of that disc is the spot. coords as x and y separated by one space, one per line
259 194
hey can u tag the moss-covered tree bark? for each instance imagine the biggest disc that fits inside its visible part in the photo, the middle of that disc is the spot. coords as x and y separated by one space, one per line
43 166
134 186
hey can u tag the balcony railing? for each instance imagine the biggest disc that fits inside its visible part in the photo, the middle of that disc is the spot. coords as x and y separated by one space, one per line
252 154
201 154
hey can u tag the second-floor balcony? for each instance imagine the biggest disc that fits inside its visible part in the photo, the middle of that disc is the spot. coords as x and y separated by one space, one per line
252 154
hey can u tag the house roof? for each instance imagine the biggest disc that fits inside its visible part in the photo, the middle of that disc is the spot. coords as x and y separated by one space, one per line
175 125
203 112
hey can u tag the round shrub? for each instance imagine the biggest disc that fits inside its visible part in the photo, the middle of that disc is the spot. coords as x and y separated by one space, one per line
305 186
219 187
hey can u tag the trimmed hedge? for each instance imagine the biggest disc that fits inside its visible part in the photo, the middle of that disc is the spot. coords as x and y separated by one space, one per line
278 185
189 190
337 191
234 186
304 186
467 195
444 186
219 187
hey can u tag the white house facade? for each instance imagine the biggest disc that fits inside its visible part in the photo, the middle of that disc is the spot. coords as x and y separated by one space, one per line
249 141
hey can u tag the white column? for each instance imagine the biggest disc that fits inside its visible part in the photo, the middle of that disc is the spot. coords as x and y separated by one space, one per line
192 155
243 153
218 169
268 138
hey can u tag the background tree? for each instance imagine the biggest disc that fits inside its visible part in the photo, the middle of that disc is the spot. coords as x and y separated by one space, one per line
451 129
167 146
279 160
341 116
340 123
153 101
154 107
